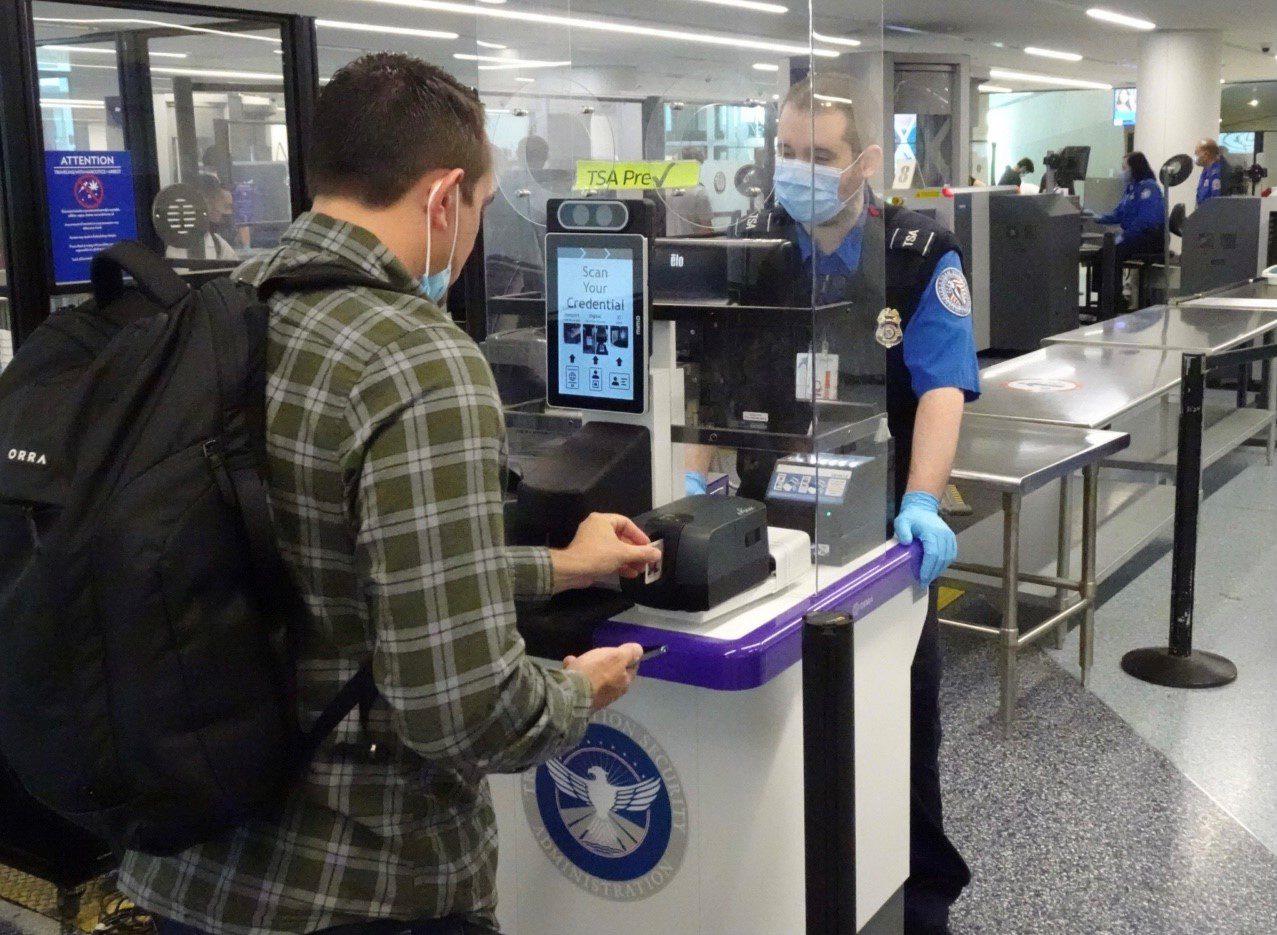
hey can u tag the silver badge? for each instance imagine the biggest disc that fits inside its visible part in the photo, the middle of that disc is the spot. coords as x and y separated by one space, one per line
889 332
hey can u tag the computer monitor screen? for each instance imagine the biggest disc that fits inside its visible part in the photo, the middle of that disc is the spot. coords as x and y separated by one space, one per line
596 321
1238 144
1124 106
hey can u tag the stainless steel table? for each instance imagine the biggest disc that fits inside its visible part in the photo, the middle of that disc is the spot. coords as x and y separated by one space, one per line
1258 293
1185 328
1199 329
1086 387
1015 459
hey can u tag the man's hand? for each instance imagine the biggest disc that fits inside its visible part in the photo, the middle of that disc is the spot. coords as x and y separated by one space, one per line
920 519
605 544
611 671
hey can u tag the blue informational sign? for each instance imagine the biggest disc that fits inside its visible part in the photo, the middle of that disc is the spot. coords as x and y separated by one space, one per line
91 206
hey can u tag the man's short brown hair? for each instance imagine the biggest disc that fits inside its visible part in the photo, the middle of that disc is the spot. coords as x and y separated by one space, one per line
823 92
384 121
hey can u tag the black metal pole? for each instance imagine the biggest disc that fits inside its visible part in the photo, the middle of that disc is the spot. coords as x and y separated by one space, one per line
1178 665
829 773
22 156
301 92
138 99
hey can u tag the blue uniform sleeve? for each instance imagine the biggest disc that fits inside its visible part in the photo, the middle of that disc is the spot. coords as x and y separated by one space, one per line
1122 213
1149 212
939 346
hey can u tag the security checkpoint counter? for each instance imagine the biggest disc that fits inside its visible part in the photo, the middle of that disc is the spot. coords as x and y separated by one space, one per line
708 751
1014 459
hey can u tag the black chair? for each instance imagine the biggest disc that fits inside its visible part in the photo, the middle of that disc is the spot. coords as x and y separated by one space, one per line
35 841
1176 222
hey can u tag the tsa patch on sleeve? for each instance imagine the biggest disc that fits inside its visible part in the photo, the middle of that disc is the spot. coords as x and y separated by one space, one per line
953 292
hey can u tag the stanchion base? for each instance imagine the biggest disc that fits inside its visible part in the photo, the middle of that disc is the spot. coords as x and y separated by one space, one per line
1196 670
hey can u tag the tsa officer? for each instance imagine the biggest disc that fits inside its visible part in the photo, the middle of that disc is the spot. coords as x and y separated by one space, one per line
918 314
1141 213
1211 159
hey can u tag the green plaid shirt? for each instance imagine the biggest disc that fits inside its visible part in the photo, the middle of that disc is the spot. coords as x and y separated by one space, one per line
386 437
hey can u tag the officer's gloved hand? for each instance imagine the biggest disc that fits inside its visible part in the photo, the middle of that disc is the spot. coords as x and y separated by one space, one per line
695 483
920 519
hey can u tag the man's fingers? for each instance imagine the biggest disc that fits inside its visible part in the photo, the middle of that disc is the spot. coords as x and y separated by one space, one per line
626 530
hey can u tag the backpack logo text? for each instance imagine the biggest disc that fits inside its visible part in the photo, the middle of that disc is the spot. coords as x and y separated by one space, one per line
27 457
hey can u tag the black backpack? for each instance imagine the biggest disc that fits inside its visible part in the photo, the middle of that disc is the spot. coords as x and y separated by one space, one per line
147 621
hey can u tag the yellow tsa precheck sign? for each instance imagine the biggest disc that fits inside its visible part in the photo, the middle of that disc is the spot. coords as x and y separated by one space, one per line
636 175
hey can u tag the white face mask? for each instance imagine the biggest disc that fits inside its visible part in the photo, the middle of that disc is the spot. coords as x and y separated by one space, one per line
434 286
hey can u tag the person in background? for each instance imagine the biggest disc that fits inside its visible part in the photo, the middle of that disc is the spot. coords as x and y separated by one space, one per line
1014 175
1141 213
1213 164
385 437
688 210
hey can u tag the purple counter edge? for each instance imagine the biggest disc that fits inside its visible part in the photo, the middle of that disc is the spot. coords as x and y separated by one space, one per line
758 657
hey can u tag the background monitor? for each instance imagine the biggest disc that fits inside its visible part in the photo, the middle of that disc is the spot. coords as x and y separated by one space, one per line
1124 106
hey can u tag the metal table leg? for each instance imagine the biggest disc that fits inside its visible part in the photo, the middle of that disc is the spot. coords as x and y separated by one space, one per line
1063 556
1010 596
1270 399
1090 510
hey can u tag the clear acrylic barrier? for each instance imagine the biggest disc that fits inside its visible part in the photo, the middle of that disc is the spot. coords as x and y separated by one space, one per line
782 368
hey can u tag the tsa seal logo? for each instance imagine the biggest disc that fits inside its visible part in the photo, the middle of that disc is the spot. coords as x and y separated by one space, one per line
611 815
953 292
889 332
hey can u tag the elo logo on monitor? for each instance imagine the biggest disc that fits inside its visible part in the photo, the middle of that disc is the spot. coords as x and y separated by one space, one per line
589 215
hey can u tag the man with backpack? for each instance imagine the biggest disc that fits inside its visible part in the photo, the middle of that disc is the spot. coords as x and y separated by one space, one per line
384 441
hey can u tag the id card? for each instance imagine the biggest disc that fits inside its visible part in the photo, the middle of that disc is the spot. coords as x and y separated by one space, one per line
824 381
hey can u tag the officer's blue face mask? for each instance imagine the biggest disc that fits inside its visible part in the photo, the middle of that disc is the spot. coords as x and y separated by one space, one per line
434 286
810 193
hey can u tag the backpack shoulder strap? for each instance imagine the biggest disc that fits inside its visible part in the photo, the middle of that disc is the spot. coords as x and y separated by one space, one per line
318 277
154 278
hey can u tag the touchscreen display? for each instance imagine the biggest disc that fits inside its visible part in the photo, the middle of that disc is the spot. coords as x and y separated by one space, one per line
595 293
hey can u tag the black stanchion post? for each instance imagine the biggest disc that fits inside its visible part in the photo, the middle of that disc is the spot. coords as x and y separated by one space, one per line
829 773
1178 665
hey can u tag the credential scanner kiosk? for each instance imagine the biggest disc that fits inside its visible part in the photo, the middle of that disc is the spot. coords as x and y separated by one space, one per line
755 781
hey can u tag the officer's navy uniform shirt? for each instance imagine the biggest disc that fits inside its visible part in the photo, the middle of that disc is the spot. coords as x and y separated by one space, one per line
939 344
1141 211
1211 184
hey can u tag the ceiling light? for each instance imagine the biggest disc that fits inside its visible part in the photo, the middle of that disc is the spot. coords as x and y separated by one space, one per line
508 62
90 51
388 30
72 103
1052 53
835 40
488 45
1120 19
995 89
610 26
215 73
131 21
833 99
754 5
765 66
896 27
524 79
1007 75
1254 102
493 2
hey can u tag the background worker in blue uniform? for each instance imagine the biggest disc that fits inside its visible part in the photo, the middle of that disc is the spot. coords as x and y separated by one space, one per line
1213 164
1141 212
916 310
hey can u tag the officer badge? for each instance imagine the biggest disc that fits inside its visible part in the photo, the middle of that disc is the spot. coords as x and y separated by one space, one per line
889 332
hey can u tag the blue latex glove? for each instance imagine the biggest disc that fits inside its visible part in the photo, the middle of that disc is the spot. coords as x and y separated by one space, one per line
920 519
695 483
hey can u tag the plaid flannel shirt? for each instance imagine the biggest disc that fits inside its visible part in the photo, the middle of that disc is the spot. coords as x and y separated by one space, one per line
385 437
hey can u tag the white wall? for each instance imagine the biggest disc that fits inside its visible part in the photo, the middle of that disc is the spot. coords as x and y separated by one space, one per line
1033 123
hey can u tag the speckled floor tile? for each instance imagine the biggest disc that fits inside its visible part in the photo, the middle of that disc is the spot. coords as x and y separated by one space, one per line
1222 739
1074 824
